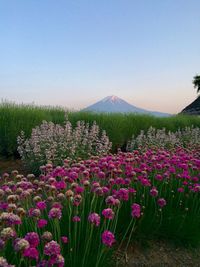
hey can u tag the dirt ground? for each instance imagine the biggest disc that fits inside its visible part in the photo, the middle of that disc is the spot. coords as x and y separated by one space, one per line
160 254
8 165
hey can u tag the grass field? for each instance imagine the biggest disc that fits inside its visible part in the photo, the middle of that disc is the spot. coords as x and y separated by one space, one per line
119 127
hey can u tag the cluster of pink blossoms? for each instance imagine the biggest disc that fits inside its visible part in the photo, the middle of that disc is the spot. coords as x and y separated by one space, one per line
92 193
136 210
94 218
108 238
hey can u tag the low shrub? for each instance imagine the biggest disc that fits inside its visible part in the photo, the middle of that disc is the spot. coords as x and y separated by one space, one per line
187 137
53 143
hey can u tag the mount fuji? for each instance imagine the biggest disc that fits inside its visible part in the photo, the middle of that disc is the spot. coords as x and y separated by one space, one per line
114 104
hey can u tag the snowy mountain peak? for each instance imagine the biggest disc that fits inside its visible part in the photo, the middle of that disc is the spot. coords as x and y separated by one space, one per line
111 98
113 103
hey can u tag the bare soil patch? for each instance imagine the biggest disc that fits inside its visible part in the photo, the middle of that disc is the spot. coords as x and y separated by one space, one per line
160 254
10 164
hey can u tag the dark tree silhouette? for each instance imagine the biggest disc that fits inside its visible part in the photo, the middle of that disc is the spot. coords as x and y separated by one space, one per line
196 83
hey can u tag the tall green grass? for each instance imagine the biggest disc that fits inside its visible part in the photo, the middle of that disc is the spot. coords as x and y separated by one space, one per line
119 127
14 118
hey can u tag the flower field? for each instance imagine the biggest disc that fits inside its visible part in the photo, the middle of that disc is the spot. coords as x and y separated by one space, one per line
82 214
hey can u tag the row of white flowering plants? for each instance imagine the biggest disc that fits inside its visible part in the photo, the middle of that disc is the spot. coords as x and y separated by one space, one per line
86 212
53 143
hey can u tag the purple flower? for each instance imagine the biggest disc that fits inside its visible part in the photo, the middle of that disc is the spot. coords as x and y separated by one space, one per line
57 205
105 189
154 192
110 200
10 218
94 218
79 189
77 200
159 177
108 213
3 206
34 212
60 185
55 213
180 189
31 253
58 260
52 248
41 223
33 239
64 239
20 244
123 194
108 238
41 205
76 219
132 190
101 175
161 202
136 210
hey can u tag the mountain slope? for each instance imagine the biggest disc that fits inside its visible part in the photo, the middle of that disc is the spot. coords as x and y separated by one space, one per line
193 108
113 103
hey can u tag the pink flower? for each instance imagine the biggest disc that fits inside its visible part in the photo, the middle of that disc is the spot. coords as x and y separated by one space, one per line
136 210
161 202
180 189
33 239
10 218
31 253
132 190
108 213
154 192
110 200
41 205
34 212
52 248
101 175
20 244
57 205
57 260
108 238
76 219
79 189
60 185
159 177
41 223
94 218
119 180
145 182
55 213
77 200
3 205
105 189
64 239
123 194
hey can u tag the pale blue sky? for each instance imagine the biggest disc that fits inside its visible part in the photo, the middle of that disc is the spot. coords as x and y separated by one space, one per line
73 53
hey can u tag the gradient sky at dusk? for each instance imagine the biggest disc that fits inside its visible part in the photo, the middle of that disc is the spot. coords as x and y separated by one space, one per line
74 52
